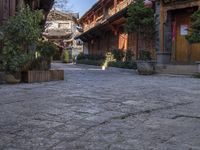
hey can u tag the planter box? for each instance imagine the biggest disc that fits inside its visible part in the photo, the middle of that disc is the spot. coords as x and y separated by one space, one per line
42 76
56 75
35 76
146 67
163 58
2 77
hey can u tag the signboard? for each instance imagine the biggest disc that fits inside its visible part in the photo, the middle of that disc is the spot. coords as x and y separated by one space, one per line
184 30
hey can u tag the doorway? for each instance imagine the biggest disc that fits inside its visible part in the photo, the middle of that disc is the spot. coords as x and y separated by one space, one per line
181 23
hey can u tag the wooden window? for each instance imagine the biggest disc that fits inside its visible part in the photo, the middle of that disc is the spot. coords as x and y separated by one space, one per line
63 25
100 12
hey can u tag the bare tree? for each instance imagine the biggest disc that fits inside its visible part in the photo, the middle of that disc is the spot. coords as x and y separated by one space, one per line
61 5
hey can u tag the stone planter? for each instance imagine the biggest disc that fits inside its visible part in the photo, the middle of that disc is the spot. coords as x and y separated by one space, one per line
13 78
145 67
198 66
2 77
163 58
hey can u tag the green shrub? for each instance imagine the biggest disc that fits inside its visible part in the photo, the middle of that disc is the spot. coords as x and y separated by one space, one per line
118 54
91 62
194 37
131 64
129 55
82 56
46 49
57 55
196 75
13 59
126 65
96 57
23 29
66 56
145 55
20 37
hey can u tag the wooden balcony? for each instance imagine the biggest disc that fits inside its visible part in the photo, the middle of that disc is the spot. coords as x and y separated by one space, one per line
107 14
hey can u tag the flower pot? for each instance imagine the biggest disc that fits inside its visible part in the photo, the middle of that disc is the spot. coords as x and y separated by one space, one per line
13 78
145 67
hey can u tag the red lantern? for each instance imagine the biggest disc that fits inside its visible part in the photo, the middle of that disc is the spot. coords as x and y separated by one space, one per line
148 3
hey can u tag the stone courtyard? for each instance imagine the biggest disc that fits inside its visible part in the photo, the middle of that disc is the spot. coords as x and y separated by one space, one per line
101 110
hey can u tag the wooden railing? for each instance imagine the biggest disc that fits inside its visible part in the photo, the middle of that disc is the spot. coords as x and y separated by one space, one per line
110 12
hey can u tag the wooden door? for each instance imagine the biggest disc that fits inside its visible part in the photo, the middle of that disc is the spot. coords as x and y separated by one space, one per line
181 44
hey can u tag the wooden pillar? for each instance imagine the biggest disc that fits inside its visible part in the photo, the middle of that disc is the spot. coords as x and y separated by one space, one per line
94 16
161 29
104 11
115 5
12 7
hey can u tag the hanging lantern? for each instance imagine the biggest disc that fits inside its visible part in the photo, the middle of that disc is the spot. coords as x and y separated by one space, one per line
148 3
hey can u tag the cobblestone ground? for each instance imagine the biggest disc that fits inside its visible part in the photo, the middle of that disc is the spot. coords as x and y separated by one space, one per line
101 110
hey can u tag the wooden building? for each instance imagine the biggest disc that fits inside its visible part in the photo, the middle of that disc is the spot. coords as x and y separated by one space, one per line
61 28
103 28
174 21
9 7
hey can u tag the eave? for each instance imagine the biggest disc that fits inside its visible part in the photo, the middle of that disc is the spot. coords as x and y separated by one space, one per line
91 32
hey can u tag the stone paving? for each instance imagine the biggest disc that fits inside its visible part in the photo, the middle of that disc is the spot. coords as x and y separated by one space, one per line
101 110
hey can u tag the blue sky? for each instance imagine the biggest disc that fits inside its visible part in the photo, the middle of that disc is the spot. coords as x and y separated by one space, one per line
80 6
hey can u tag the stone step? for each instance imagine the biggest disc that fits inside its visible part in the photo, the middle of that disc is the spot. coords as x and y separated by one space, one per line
176 69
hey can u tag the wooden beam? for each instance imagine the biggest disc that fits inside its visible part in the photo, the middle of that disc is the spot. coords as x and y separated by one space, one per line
115 5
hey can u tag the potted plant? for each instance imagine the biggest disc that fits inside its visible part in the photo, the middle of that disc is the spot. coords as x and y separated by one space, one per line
141 22
145 65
